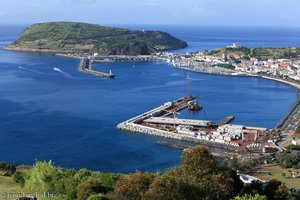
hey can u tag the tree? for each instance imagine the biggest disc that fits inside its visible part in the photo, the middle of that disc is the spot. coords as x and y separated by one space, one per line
107 180
289 159
255 187
8 168
233 163
250 197
199 158
40 176
282 192
64 184
89 187
173 185
19 177
97 197
82 175
133 187
217 181
199 176
295 194
276 190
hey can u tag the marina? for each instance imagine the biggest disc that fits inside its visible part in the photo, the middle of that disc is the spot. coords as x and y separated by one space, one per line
155 122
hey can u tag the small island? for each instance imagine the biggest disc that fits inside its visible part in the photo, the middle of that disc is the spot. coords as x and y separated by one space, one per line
75 37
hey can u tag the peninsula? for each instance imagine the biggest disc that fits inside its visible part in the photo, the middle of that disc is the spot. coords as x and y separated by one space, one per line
74 37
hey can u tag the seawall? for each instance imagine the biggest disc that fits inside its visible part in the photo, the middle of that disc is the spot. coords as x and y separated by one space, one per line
136 128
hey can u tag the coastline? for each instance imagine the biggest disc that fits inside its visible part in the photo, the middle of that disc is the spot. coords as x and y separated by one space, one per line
211 71
295 107
290 113
294 85
12 48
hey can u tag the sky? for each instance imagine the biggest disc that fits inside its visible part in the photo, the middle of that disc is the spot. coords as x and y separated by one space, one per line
181 12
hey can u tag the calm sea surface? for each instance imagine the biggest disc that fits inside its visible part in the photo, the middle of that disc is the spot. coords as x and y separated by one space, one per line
70 118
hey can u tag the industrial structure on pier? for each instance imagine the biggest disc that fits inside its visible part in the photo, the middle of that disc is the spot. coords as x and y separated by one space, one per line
159 122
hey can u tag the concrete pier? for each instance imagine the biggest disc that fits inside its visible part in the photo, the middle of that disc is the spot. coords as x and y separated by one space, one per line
85 66
137 124
226 120
161 121
136 128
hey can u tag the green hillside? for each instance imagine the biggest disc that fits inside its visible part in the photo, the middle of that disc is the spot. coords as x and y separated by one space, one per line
82 37
260 53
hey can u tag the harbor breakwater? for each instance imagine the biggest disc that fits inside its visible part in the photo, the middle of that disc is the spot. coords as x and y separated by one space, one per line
136 128
133 125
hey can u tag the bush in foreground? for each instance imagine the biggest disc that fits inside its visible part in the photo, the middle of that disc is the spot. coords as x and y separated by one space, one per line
199 176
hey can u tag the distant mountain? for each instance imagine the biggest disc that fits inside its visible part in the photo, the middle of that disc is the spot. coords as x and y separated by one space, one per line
83 37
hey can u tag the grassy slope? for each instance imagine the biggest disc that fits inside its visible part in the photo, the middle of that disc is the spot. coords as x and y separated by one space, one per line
74 36
7 185
269 172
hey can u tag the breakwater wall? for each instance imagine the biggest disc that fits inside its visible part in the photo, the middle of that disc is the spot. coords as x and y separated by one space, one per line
136 128
124 58
134 125
77 56
85 66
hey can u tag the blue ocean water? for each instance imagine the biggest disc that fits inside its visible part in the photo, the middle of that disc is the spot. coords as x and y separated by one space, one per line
70 118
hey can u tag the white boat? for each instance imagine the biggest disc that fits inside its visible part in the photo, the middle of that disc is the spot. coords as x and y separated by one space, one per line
56 69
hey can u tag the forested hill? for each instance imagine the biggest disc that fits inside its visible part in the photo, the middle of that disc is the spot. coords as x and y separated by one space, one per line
83 37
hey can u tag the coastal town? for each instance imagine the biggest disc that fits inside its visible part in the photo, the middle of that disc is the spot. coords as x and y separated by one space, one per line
231 63
150 100
234 63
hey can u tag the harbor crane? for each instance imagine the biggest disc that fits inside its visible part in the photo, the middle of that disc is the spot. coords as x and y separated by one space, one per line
192 106
174 112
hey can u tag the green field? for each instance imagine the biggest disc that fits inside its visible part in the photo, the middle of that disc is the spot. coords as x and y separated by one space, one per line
268 172
287 143
7 185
